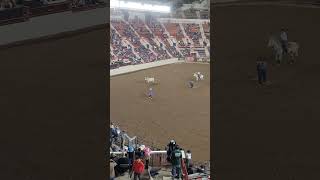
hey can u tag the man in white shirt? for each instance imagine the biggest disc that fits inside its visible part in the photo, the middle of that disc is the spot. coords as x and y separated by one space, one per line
188 158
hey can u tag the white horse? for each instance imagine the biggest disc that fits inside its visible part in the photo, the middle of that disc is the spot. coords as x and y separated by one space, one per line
201 77
198 76
275 44
195 75
149 80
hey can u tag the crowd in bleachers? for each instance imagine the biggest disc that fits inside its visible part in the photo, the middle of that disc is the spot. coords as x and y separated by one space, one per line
135 158
149 40
193 31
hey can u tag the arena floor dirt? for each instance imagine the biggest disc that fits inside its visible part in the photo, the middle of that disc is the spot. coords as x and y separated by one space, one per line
176 112
272 132
53 109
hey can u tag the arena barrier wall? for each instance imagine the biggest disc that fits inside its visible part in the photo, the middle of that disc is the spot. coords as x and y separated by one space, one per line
133 68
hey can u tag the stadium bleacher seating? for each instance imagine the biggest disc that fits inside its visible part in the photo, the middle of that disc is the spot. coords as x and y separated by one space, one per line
136 41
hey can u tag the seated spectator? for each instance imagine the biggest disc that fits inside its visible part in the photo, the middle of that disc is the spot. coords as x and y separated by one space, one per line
190 169
200 169
123 165
112 170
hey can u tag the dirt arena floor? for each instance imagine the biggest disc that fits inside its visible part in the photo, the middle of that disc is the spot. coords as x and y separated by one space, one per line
176 112
53 110
272 132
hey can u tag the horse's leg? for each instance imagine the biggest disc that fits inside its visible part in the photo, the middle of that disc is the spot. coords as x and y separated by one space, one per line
278 59
293 54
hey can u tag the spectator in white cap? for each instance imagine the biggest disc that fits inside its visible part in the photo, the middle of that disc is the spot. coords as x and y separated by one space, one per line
188 158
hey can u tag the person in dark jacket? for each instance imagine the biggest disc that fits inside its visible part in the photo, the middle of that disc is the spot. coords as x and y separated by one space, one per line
130 156
264 71
259 71
176 157
170 148
139 153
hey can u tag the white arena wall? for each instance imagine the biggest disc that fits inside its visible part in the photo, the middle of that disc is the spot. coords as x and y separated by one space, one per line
133 68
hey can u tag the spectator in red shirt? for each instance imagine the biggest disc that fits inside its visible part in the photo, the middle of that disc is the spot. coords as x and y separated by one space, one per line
137 168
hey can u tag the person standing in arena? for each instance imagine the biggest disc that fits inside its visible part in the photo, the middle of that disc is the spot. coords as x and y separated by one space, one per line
284 40
150 93
264 71
259 71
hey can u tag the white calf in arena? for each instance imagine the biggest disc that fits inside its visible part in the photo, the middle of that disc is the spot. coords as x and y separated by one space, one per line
149 80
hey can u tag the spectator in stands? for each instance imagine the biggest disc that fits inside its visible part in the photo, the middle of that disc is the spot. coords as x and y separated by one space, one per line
139 153
201 169
190 169
118 131
170 149
131 156
122 139
114 133
112 171
111 137
122 166
183 153
176 157
115 148
137 168
188 158
147 156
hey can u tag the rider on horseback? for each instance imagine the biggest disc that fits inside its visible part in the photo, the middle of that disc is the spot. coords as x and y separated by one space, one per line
284 40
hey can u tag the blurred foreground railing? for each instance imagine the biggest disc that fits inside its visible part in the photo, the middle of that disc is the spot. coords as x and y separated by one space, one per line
158 158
